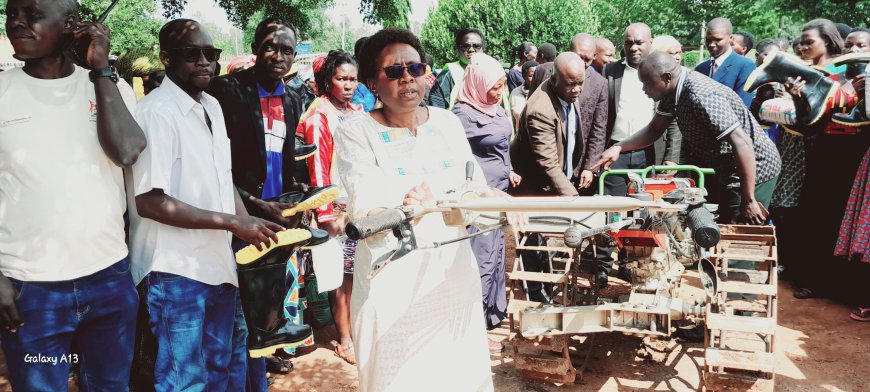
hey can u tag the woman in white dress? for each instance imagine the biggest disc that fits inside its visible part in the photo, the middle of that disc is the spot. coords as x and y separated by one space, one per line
417 325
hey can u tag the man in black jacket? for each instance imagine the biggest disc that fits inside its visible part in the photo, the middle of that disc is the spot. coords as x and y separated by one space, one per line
261 116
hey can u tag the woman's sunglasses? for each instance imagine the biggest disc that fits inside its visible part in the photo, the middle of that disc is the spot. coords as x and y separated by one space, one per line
192 54
397 71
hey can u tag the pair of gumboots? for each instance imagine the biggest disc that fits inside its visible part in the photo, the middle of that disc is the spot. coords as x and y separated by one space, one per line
262 276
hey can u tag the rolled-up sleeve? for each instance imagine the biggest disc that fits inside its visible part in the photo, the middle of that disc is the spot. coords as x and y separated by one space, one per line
153 170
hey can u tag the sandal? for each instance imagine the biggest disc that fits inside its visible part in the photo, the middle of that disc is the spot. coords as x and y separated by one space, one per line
860 314
803 293
277 365
345 352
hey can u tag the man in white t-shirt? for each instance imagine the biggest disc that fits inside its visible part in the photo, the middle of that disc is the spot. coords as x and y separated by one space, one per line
186 211
65 133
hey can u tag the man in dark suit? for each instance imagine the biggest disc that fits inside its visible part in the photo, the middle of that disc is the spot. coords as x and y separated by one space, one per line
725 66
261 116
561 134
629 110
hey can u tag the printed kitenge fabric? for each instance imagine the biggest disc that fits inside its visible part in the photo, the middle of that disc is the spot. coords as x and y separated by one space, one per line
854 238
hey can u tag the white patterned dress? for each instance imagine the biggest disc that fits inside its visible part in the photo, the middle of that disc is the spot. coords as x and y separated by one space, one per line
418 325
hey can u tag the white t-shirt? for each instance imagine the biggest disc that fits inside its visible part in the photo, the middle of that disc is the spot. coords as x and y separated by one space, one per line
62 199
191 164
634 110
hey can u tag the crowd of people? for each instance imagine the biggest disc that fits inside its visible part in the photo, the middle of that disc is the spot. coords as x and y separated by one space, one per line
122 219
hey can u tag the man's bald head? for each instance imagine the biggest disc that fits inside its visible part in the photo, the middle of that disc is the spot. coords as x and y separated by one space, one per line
570 72
584 45
637 43
721 24
658 72
604 52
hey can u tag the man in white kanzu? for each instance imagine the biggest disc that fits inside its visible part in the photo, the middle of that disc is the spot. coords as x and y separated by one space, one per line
65 133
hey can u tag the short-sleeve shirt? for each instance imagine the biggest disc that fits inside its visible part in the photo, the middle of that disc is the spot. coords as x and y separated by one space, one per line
190 163
707 112
62 199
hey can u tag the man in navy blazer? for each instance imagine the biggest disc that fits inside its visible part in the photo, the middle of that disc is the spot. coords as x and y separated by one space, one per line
726 66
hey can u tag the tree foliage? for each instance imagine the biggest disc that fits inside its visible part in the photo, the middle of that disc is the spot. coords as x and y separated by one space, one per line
389 13
132 22
506 23
240 12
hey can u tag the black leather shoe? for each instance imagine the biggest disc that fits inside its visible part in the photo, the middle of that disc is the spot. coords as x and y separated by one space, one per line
304 151
262 290
856 118
318 237
313 198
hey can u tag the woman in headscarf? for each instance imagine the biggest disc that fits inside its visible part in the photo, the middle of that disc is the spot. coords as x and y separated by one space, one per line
488 128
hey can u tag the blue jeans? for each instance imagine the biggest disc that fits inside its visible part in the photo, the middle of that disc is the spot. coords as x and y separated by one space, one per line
193 324
255 377
98 311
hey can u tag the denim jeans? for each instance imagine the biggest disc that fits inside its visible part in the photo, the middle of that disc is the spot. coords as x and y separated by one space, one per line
98 311
254 378
193 323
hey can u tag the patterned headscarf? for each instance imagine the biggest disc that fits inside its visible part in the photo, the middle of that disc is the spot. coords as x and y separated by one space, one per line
480 75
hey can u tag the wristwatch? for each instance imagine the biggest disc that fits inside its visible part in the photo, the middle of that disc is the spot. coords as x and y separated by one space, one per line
108 72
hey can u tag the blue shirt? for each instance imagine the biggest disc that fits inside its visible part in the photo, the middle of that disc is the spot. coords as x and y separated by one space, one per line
363 96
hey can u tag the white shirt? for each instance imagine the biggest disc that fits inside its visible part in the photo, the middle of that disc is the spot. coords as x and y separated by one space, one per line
518 102
634 110
61 198
570 136
190 164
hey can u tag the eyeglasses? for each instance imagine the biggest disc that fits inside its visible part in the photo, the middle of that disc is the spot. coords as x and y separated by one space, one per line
397 71
467 47
192 54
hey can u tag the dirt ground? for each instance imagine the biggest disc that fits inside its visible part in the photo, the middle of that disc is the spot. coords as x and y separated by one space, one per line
818 348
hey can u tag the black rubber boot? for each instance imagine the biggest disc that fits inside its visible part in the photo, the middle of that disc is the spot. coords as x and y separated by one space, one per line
288 241
303 151
856 118
312 198
262 289
780 67
318 237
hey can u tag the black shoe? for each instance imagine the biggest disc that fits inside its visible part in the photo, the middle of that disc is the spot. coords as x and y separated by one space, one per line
856 118
318 237
304 151
779 68
313 198
262 290
603 280
288 241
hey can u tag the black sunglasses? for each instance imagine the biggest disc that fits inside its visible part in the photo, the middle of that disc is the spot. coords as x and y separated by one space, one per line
192 54
397 71
467 47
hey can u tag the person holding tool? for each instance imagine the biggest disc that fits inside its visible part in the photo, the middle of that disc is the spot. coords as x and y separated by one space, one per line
426 307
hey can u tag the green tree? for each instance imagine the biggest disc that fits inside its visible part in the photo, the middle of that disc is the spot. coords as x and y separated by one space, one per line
389 13
506 23
132 22
241 12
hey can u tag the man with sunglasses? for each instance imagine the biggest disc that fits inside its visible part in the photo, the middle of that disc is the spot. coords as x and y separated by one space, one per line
468 42
185 210
65 134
